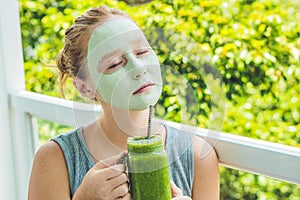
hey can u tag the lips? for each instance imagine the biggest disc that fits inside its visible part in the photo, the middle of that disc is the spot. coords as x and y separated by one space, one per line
143 88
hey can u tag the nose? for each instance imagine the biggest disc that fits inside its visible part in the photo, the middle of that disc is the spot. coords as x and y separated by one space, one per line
139 73
137 67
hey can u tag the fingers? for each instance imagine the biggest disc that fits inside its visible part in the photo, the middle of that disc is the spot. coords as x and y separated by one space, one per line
121 190
111 177
119 180
112 171
176 191
126 197
110 161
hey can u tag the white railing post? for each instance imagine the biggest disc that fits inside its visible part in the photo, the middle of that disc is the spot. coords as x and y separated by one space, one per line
8 179
16 144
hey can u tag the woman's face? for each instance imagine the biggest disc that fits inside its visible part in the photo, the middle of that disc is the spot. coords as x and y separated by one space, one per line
123 67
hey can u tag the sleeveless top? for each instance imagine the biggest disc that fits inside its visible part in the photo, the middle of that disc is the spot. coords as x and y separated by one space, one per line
178 146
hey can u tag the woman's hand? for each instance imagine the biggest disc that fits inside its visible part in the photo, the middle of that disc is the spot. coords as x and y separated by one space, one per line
177 193
107 180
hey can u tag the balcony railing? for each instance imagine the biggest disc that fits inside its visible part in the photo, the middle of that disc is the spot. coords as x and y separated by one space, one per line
255 156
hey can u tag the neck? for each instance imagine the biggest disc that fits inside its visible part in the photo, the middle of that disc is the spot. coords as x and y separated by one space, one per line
117 125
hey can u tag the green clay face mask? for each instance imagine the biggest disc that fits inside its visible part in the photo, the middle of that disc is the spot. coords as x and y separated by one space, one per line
123 67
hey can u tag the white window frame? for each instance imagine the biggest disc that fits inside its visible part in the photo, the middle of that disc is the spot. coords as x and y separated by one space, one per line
19 138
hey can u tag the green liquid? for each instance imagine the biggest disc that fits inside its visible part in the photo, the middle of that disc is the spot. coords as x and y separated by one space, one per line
148 169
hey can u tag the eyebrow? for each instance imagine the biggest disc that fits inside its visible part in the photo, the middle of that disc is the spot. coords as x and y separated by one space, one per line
140 41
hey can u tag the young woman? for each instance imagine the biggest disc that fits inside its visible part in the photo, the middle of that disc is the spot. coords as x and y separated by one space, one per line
111 62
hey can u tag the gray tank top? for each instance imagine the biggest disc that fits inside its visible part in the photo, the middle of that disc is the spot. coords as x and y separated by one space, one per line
178 146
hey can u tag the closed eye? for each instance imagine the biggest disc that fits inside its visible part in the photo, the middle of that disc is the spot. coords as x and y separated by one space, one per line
115 65
142 52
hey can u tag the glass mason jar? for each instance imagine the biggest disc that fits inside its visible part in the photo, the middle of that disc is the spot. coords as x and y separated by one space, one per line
148 170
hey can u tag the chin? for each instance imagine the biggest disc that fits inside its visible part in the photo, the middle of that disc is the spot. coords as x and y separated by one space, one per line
142 101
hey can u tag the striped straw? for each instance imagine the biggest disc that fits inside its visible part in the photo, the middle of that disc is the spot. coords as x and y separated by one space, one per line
149 122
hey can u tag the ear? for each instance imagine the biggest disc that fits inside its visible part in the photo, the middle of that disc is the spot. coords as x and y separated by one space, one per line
84 89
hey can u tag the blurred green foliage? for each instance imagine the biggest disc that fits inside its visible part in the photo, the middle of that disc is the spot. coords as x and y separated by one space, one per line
247 50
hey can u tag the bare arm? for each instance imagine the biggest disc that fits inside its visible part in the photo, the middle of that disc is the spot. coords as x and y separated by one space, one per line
49 176
206 178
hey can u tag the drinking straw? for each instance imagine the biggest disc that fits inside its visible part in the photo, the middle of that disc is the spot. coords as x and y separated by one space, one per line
149 122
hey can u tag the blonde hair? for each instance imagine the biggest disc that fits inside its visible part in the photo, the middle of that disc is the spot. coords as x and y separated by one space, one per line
72 57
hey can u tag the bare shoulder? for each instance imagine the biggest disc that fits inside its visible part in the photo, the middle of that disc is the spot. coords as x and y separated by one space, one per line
206 171
49 176
48 159
50 150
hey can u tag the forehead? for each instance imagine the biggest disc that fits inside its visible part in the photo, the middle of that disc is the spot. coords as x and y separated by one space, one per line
114 32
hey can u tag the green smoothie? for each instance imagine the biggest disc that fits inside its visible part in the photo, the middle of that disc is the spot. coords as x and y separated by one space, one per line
148 169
